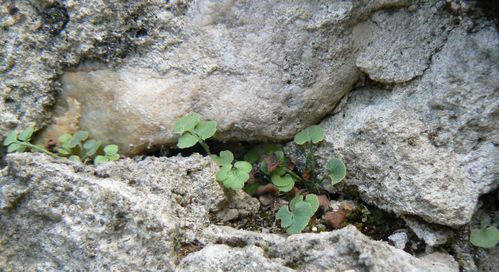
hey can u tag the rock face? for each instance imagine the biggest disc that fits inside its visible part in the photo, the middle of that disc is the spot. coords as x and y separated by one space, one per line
128 215
427 147
153 215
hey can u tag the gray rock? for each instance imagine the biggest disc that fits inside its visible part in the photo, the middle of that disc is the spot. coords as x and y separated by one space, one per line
399 239
338 250
429 147
431 234
125 215
440 262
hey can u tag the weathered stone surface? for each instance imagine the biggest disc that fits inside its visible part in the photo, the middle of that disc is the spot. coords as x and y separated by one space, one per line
427 148
127 215
339 250
432 235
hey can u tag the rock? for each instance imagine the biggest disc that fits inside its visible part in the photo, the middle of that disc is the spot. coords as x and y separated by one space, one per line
440 262
124 215
399 239
431 234
428 147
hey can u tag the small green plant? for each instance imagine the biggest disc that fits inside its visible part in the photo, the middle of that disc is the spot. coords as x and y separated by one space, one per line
485 237
295 217
21 142
75 147
192 131
232 176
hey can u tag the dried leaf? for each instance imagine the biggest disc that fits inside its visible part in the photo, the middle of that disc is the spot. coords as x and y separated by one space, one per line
335 219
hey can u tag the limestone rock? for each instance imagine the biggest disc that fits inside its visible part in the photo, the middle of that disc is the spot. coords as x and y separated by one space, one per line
338 250
427 148
125 215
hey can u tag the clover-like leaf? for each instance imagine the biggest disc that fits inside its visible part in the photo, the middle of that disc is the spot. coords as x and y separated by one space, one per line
100 159
206 129
223 172
15 147
111 149
301 216
285 216
187 123
11 138
26 134
187 140
65 138
313 134
226 157
298 198
336 169
91 146
235 179
243 166
486 237
77 138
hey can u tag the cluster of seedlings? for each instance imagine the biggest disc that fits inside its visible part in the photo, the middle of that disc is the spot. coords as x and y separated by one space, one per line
265 169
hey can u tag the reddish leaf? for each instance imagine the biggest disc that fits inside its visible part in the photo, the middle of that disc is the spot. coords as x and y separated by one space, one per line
291 165
266 200
323 201
268 188
272 162
335 219
306 175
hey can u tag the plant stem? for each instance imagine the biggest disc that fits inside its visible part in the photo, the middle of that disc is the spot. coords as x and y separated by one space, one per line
293 174
37 148
205 146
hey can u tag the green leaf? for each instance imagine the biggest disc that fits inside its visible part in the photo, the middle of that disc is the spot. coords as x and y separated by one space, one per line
226 157
206 129
111 149
285 216
26 134
298 198
286 188
313 200
252 156
263 168
63 151
74 158
280 157
336 169
91 147
11 137
65 138
313 134
187 123
235 180
486 238
187 140
250 189
243 166
282 181
15 147
79 137
302 214
113 157
100 159
223 172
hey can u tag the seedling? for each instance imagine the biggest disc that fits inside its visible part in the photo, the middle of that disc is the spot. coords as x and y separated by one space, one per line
336 169
232 176
75 147
194 131
110 154
21 142
295 217
485 237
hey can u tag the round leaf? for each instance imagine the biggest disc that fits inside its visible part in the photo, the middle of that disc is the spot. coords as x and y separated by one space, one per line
312 134
292 204
26 134
11 137
114 157
187 140
65 138
100 159
79 137
187 123
302 214
235 180
286 188
486 238
111 149
336 169
91 147
243 166
281 181
206 129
